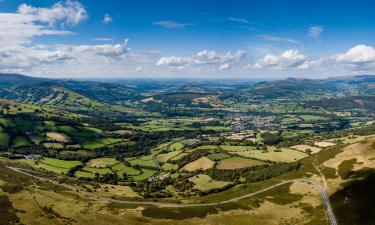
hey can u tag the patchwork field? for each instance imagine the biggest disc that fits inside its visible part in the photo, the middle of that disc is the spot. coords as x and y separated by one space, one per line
237 163
203 182
60 137
102 162
283 155
306 148
203 163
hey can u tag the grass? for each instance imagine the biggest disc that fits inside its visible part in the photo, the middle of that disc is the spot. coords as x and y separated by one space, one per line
20 141
169 166
143 161
37 139
4 139
146 173
60 137
53 145
345 168
218 156
100 142
176 146
231 148
102 162
237 163
84 174
166 156
284 155
203 182
5 122
96 170
120 169
202 163
180 156
60 163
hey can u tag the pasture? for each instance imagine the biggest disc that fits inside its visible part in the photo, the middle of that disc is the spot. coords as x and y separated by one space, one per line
202 163
237 163
203 182
102 162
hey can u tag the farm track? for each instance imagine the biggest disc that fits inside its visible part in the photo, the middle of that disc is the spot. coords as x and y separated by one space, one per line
316 185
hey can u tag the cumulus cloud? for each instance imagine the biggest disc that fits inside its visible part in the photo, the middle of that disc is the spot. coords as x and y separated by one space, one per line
225 66
68 12
315 31
288 59
202 58
277 39
28 22
171 24
25 57
360 57
107 19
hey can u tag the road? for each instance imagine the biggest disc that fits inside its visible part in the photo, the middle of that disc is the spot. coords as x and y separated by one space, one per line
316 185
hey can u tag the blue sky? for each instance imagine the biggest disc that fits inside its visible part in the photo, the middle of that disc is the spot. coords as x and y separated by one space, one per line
213 39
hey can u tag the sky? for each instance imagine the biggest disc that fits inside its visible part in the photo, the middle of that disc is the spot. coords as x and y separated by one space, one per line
187 38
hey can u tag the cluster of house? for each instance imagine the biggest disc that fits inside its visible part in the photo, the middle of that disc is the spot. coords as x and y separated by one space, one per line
154 179
33 157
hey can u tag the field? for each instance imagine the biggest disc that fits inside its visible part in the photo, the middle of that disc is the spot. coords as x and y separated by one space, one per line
284 155
4 139
120 169
96 170
100 142
20 142
53 165
145 173
60 137
203 163
167 156
102 162
218 156
203 182
237 163
306 148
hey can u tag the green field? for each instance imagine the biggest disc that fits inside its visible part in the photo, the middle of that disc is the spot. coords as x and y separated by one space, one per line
4 139
20 142
169 166
120 169
218 156
96 170
102 162
146 173
203 182
5 122
100 142
285 155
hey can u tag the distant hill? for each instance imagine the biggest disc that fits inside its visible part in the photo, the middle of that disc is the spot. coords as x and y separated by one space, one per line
9 80
62 93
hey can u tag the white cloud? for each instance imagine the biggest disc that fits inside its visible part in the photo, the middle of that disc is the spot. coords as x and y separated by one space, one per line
65 13
315 31
277 39
360 57
286 60
107 19
202 58
171 24
240 20
139 69
28 22
225 66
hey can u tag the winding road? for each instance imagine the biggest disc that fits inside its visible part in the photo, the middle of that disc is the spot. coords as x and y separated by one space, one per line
316 185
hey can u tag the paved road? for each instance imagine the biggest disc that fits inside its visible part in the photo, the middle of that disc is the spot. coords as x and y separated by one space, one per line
317 186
